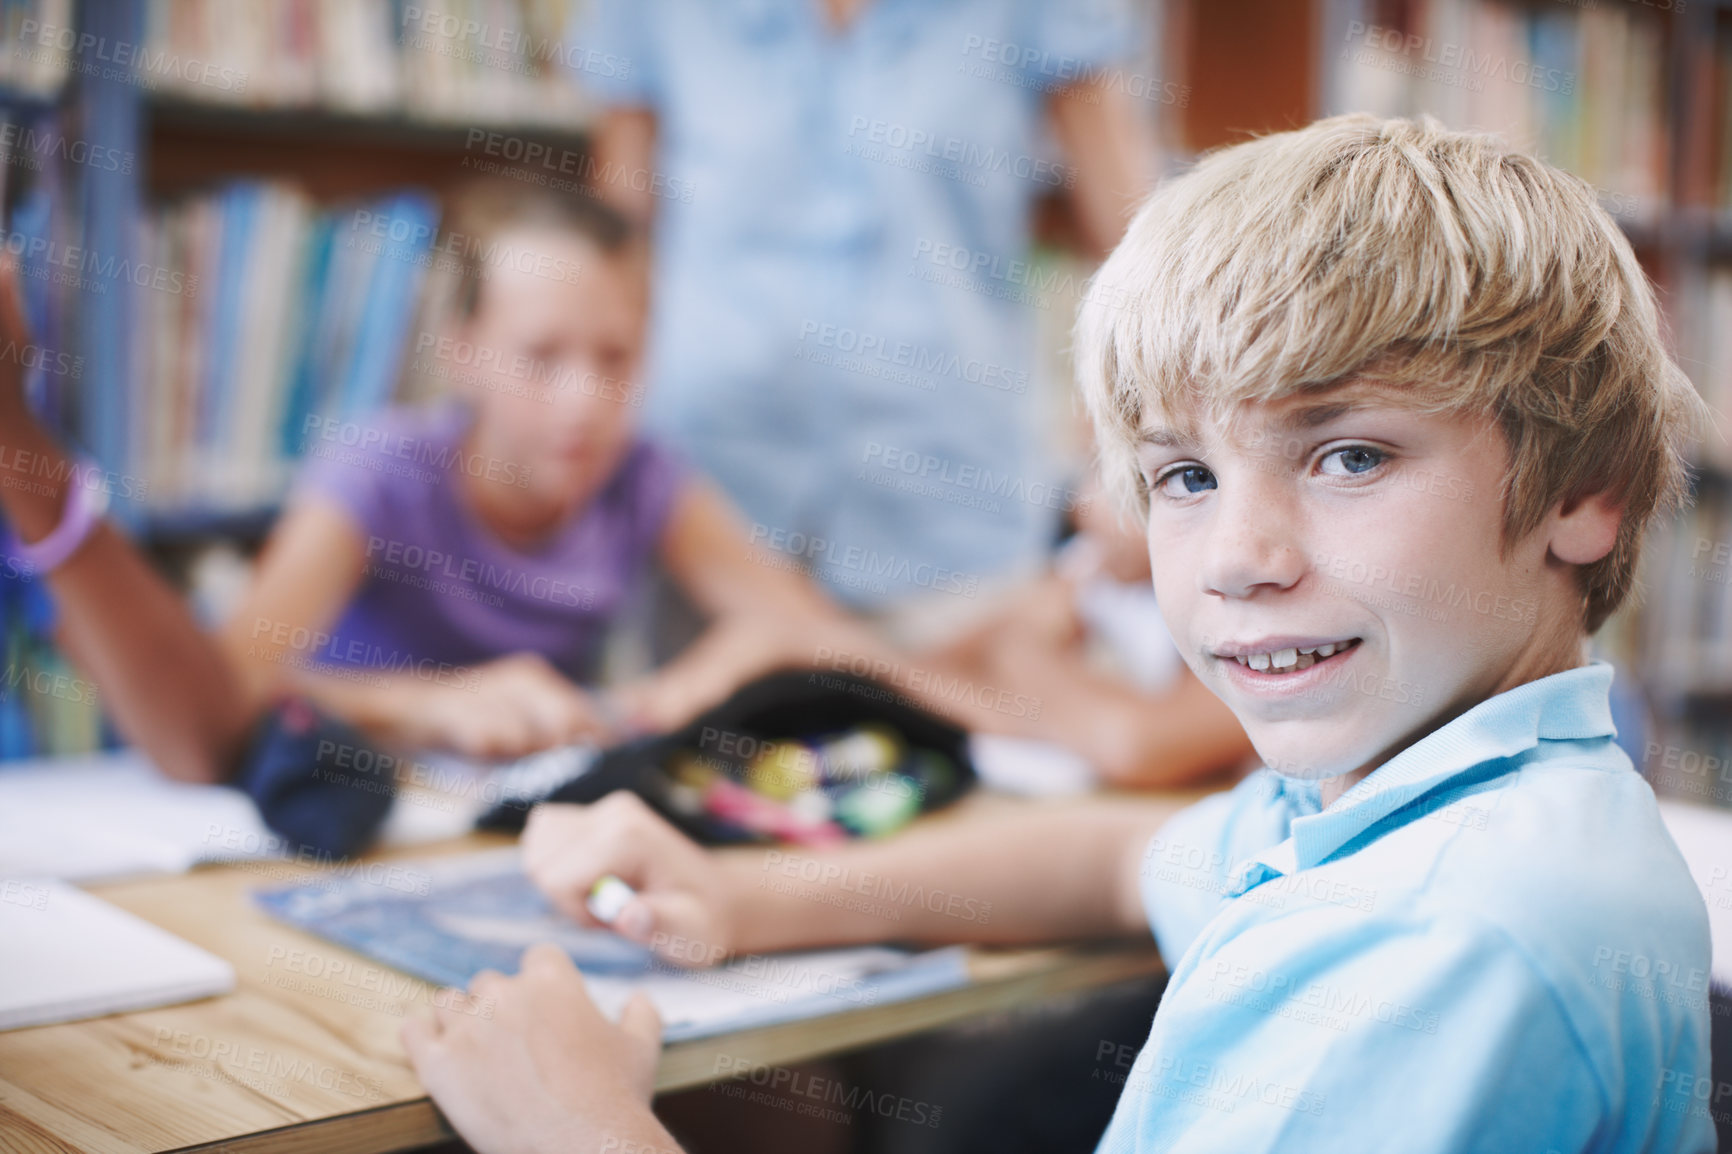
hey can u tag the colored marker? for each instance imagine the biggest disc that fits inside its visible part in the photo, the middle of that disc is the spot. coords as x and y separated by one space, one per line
608 898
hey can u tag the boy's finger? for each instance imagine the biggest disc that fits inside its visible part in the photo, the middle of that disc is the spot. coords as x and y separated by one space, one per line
640 1020
637 921
678 919
566 881
419 1035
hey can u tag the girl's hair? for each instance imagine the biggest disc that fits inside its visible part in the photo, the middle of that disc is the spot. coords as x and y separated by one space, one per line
482 213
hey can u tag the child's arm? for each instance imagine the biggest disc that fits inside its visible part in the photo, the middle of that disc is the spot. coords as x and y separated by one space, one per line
309 571
1136 739
762 616
527 1063
309 568
162 680
1029 875
1108 145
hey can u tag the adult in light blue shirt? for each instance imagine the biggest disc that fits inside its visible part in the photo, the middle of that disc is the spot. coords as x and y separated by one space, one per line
1431 930
844 312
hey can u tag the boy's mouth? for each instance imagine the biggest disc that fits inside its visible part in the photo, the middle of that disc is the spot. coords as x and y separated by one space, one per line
1293 658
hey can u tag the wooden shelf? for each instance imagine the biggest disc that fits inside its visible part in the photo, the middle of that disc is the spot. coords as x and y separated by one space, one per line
194 145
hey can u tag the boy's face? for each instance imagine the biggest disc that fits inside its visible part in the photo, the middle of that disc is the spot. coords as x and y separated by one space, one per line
1369 533
552 361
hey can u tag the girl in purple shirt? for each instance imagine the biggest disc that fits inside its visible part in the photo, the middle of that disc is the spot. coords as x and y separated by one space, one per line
443 576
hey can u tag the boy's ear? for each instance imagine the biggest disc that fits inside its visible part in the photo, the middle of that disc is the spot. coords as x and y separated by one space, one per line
1585 529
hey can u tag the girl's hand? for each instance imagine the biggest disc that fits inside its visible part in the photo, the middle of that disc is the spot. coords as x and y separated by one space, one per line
528 1064
726 655
1043 615
506 708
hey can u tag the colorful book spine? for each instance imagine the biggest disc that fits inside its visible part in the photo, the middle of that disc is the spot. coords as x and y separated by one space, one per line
286 312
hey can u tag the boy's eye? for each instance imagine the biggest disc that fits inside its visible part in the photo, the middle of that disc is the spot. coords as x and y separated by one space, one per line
1353 460
1185 480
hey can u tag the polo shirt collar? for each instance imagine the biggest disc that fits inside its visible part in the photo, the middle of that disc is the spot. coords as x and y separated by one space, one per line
1570 706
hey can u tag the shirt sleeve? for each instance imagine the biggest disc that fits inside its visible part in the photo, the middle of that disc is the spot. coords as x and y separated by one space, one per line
661 477
1427 1035
343 477
1188 864
618 65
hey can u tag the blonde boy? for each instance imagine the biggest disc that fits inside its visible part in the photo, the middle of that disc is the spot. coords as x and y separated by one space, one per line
1395 404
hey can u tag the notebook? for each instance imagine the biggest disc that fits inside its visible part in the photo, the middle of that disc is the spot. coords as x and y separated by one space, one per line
68 955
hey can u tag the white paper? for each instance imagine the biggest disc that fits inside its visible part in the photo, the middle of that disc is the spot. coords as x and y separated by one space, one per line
69 955
1029 768
113 815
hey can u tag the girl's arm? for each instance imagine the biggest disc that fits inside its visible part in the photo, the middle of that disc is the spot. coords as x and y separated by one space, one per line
310 570
762 615
1136 739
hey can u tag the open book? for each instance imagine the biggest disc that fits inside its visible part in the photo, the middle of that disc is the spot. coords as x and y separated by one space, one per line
480 912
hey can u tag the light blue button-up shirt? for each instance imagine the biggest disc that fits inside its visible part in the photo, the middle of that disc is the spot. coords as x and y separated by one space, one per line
843 327
1489 944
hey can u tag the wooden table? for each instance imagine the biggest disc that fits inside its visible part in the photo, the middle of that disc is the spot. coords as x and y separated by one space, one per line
303 1056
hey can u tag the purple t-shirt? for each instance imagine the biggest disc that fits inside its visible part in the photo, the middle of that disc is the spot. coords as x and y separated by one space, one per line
440 589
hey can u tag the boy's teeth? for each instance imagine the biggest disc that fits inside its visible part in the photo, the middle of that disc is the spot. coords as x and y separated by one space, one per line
1291 660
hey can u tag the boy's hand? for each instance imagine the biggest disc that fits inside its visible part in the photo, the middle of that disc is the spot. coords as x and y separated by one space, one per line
528 1064
684 906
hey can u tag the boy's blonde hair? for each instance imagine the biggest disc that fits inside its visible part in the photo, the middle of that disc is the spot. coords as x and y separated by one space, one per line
1471 277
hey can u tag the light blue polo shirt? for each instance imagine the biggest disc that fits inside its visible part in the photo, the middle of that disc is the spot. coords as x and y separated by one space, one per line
1491 943
844 304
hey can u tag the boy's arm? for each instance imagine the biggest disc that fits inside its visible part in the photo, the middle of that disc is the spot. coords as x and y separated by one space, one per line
528 1063
1019 876
1030 874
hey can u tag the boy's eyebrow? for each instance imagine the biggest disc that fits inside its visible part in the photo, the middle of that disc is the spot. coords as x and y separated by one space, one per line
1312 416
1165 438
1307 417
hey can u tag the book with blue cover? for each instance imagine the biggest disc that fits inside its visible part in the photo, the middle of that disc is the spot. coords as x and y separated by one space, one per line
447 920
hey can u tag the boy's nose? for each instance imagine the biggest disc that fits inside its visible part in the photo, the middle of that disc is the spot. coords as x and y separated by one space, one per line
1253 543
